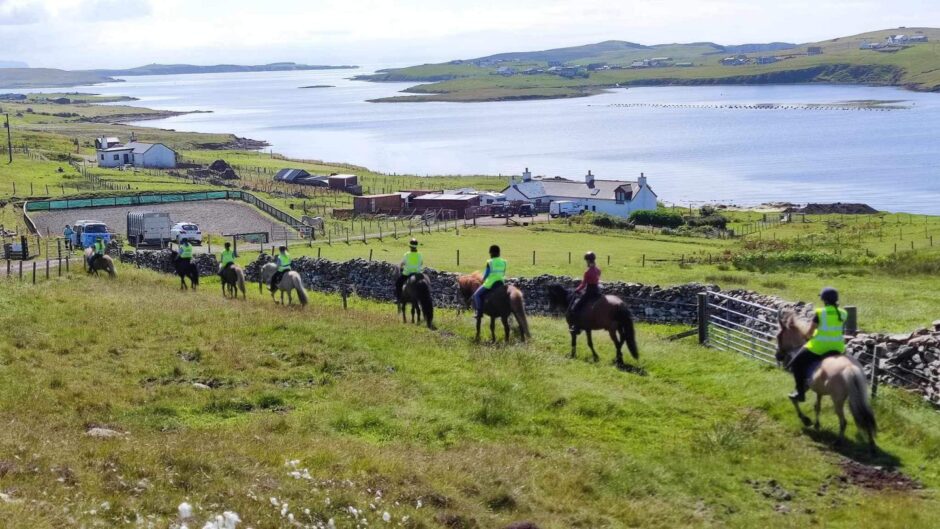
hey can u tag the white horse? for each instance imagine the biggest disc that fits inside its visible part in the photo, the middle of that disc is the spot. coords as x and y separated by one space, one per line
289 281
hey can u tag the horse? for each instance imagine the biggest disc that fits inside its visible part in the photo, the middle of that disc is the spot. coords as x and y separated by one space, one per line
417 292
102 263
233 280
290 281
185 269
840 377
608 313
500 302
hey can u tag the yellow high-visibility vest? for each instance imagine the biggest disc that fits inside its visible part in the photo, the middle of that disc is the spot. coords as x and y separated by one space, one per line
830 331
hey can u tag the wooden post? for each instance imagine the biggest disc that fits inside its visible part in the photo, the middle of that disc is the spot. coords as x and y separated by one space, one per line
21 271
47 267
344 294
34 272
851 322
533 257
702 317
875 360
370 255
67 257
318 252
644 261
458 256
569 257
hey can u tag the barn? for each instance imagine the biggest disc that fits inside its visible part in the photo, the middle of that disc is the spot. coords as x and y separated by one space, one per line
458 203
370 204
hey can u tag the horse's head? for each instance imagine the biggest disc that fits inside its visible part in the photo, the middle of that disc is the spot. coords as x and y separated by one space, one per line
793 334
558 297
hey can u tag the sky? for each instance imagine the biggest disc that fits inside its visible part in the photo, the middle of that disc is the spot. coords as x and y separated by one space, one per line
75 34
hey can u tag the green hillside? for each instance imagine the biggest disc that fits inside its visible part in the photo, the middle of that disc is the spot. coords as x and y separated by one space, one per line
587 70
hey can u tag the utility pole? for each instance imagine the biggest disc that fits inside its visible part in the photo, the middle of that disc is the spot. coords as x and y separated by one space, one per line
9 139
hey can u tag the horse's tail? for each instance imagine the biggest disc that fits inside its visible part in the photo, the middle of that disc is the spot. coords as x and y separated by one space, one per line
426 301
627 332
859 404
299 286
195 274
240 281
111 273
517 303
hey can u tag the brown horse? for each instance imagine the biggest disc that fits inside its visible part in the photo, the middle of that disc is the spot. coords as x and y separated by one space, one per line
101 263
499 303
233 280
608 313
841 377
417 292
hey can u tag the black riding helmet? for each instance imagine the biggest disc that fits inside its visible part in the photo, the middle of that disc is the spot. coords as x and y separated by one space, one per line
413 243
829 296
494 251
590 257
282 248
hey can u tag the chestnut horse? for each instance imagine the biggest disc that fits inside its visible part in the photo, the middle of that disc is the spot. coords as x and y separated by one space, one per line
608 313
841 377
500 302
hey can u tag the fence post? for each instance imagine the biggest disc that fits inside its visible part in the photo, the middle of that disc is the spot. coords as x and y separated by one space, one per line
533 257
851 322
644 261
67 257
370 255
47 267
21 271
34 272
458 256
344 294
702 317
875 360
318 252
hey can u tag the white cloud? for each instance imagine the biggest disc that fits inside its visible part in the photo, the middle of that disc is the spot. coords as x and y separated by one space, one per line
109 10
19 13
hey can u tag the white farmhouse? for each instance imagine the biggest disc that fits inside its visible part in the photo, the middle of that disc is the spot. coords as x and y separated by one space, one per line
152 155
613 197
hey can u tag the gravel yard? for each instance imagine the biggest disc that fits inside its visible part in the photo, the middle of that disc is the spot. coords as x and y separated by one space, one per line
212 216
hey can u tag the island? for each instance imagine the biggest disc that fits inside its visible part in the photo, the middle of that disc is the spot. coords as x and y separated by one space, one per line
905 57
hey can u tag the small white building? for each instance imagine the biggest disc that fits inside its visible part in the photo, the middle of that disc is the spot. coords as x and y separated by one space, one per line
613 197
152 155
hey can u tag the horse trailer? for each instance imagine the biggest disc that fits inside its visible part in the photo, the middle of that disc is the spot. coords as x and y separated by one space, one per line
148 228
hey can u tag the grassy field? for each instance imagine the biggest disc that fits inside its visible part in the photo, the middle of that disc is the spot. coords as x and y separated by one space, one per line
841 61
282 429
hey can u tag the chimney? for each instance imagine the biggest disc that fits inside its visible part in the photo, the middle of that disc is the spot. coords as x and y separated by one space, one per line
641 180
589 179
526 175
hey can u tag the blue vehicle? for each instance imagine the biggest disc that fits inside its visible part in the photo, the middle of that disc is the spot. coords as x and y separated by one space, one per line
86 231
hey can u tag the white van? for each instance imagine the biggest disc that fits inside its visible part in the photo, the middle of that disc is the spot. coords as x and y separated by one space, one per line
563 208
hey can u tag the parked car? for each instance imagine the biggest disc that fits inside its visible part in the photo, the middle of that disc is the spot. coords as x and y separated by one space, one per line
526 210
563 208
86 231
186 230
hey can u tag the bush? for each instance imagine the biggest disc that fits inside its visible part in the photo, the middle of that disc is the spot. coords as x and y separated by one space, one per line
707 211
660 218
765 261
714 220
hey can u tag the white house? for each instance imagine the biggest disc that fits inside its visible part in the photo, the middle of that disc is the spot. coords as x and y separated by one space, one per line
153 155
613 197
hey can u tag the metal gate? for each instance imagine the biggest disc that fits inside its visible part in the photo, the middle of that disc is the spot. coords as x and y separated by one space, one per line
733 324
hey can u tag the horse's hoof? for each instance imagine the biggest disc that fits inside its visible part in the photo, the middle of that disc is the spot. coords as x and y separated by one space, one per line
817 426
806 421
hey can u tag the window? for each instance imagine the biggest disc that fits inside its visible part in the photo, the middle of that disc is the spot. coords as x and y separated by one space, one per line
102 157
593 208
116 157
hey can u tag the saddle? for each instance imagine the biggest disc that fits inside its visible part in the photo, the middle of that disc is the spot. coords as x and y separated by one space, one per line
814 365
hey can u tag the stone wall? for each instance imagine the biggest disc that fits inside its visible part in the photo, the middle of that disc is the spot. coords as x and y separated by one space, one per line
162 261
910 360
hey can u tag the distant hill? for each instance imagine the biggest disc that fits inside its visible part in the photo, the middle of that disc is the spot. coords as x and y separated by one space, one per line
908 57
13 64
173 69
54 78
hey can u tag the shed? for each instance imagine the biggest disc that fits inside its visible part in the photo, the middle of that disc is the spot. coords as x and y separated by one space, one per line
342 181
389 203
290 175
458 203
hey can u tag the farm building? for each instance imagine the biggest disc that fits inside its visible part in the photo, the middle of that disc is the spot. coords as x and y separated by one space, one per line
106 143
613 197
341 182
152 155
458 203
300 177
390 203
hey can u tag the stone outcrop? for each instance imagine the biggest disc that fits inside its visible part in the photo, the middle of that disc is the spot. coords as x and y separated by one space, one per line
162 261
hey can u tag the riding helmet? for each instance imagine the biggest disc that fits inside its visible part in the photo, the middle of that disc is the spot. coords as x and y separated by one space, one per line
590 257
184 241
494 251
282 248
413 243
829 295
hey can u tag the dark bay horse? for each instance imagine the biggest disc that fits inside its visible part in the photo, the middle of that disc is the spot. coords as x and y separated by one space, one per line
608 313
417 293
841 377
185 270
501 302
233 280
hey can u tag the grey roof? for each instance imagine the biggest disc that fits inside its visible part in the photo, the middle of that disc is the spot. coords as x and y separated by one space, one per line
289 175
565 188
136 146
442 196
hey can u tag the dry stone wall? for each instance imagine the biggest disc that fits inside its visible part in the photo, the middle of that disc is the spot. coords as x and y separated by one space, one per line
162 261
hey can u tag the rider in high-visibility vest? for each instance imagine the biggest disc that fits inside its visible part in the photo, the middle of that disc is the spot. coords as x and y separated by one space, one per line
186 250
99 248
589 288
411 264
227 258
284 262
494 274
828 339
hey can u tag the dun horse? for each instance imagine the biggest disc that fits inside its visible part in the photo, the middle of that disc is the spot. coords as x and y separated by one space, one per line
417 293
290 282
608 313
185 269
233 280
841 377
500 302
102 263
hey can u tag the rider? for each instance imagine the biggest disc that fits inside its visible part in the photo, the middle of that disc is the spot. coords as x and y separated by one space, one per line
99 248
411 264
828 339
227 259
495 272
283 266
186 251
68 233
590 286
